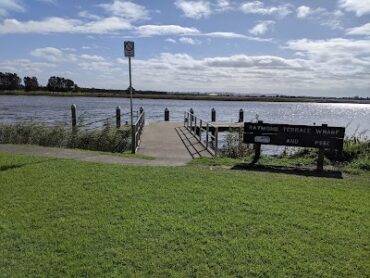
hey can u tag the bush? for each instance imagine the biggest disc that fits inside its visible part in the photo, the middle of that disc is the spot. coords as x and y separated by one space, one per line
234 146
108 138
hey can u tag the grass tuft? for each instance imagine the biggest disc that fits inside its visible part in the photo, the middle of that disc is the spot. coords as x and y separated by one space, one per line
107 139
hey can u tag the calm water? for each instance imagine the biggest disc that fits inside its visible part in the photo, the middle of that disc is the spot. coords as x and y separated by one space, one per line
355 117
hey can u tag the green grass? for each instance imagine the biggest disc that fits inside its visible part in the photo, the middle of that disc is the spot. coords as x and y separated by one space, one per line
264 160
63 218
126 154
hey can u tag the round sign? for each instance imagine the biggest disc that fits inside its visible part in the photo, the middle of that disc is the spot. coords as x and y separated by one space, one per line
129 46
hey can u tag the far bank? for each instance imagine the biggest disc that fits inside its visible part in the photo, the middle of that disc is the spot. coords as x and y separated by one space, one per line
182 96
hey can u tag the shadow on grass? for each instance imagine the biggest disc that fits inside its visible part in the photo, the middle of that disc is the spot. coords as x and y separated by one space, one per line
289 170
4 168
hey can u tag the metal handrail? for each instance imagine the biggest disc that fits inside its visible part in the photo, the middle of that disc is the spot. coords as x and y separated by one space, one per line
194 123
139 126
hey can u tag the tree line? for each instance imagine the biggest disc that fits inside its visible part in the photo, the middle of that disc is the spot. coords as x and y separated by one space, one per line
11 81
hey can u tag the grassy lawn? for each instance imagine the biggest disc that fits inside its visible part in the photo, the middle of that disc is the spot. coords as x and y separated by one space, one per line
67 218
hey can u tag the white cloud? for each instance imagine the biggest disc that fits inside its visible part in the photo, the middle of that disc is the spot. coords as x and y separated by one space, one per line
324 49
223 4
194 9
127 10
62 25
360 7
258 62
62 57
88 15
363 30
335 65
100 66
232 35
161 30
10 5
25 67
336 57
182 72
170 40
48 53
303 11
258 7
54 2
321 16
189 41
225 35
92 57
262 27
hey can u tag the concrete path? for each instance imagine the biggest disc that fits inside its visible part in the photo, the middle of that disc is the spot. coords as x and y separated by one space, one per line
170 143
82 155
162 141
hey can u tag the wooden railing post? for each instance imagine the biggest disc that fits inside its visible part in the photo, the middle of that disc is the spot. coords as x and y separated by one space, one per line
241 116
213 115
74 115
216 142
200 130
191 111
118 117
207 136
166 115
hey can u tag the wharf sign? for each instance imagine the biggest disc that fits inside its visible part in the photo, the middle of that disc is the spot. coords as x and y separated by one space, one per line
323 137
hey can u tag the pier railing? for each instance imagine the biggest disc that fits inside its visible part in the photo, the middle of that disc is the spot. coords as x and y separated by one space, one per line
138 128
203 131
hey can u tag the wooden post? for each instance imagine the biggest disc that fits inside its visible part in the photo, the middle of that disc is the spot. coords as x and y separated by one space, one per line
207 136
241 116
200 130
118 117
216 142
74 115
166 115
257 149
213 115
191 111
321 156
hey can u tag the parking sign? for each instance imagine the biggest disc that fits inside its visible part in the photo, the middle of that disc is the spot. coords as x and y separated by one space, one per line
129 49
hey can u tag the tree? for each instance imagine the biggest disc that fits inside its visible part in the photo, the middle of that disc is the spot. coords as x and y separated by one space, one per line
9 81
60 84
30 84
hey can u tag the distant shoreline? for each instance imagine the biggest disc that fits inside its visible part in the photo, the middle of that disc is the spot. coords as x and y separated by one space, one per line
191 97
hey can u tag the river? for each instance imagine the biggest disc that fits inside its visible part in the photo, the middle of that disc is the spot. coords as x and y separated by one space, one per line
51 110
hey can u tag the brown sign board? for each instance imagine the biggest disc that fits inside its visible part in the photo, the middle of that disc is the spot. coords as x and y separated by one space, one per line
294 135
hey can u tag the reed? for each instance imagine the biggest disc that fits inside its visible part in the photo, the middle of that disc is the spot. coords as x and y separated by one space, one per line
107 139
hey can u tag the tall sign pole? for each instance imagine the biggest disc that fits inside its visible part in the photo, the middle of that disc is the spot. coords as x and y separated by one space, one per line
130 52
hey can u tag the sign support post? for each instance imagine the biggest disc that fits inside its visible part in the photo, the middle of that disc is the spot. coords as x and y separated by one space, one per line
133 139
130 52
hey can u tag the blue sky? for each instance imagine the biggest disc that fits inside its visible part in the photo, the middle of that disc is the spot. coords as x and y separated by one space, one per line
316 48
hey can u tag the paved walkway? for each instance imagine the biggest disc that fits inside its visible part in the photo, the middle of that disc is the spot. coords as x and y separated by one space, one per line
81 155
170 143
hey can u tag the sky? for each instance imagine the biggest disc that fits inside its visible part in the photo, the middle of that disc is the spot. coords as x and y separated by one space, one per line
302 48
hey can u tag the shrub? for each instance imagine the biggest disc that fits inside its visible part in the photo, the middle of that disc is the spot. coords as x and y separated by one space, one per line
108 138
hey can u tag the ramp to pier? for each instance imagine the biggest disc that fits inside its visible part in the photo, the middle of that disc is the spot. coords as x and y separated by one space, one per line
170 142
